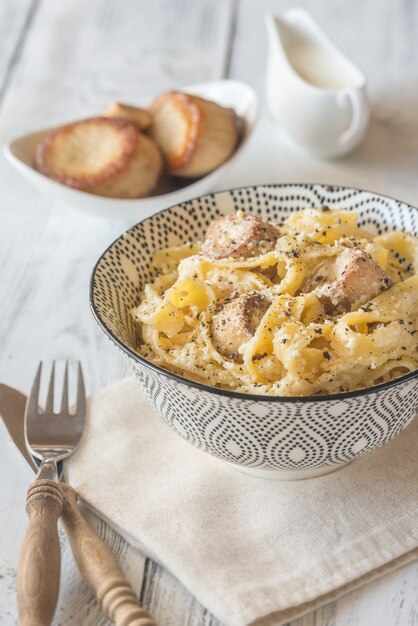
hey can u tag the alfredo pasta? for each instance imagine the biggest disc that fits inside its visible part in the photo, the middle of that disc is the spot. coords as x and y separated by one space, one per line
311 306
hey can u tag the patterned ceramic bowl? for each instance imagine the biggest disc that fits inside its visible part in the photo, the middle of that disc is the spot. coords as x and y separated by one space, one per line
275 437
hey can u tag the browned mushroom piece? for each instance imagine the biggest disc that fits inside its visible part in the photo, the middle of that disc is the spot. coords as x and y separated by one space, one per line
239 235
237 322
345 282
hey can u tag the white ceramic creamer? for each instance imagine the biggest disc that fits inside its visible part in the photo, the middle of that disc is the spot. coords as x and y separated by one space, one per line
314 92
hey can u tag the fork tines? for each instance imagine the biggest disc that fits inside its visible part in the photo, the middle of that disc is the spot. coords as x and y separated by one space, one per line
33 400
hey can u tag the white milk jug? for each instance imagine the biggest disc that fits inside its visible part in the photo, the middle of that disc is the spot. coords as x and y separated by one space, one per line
314 92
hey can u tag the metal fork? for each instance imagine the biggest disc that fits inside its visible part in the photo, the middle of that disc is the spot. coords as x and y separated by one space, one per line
51 437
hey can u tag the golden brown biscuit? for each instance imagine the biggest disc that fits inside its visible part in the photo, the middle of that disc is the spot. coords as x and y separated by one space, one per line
103 156
195 135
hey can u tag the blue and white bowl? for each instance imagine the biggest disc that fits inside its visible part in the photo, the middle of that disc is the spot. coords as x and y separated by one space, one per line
271 437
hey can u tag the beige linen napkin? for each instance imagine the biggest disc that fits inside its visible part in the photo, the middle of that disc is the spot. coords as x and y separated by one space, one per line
252 551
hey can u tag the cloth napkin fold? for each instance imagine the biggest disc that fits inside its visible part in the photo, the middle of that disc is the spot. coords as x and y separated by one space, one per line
252 551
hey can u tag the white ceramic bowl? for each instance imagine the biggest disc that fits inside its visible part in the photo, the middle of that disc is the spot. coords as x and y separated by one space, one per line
229 93
274 437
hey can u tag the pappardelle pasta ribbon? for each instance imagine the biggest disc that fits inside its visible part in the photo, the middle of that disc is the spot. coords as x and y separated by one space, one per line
297 347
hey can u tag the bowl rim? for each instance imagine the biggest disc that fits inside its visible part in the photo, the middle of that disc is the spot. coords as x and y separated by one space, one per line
343 395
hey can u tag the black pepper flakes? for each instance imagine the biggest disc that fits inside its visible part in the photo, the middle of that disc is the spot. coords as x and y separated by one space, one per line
258 357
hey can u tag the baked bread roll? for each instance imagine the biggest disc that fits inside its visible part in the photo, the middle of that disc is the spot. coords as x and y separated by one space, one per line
107 157
195 135
141 118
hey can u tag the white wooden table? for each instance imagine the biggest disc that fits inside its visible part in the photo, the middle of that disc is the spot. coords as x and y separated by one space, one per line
68 59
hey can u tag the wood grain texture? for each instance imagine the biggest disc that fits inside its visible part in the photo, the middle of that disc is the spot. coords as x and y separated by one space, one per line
76 58
100 570
68 60
79 56
38 578
15 21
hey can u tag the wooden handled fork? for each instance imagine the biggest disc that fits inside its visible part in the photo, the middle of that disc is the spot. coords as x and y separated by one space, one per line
100 569
52 437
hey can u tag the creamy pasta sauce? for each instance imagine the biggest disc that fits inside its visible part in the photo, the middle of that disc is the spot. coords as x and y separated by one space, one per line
301 343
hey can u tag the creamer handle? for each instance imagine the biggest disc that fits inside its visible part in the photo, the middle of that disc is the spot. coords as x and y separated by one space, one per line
359 115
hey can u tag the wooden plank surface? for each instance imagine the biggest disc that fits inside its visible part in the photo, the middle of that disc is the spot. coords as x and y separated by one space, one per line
76 58
68 59
71 60
15 21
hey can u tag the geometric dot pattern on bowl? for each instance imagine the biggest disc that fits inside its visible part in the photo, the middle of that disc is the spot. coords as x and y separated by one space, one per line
295 436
